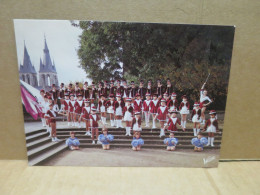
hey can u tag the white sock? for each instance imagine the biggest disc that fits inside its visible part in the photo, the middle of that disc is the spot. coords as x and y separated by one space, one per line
198 130
209 140
111 123
195 131
212 141
117 123
126 130
203 121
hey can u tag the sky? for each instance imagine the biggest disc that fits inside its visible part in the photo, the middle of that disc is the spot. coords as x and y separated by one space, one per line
62 40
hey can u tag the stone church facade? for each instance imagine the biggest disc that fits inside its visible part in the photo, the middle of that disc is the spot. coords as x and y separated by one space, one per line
47 72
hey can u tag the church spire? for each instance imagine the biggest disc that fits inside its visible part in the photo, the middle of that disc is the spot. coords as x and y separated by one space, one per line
26 67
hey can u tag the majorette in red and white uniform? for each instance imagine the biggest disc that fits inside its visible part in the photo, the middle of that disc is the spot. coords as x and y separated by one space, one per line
138 104
102 105
184 106
72 105
173 121
94 118
136 122
146 104
110 104
85 90
162 112
173 104
119 105
212 123
51 113
66 103
196 113
86 110
203 99
79 105
154 105
128 111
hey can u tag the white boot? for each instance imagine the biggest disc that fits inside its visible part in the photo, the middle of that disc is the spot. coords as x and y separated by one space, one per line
209 141
43 122
111 123
120 124
79 125
154 124
47 129
212 141
53 139
93 142
184 124
68 123
129 131
126 131
195 131
162 133
56 139
114 123
198 130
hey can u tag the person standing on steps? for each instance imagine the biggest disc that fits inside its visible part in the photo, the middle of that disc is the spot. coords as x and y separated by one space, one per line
171 125
137 123
154 105
102 108
211 127
51 115
195 118
161 115
86 111
79 104
110 104
128 116
119 106
204 102
94 118
146 109
184 110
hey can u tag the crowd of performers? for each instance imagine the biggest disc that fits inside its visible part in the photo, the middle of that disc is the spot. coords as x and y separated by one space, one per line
121 102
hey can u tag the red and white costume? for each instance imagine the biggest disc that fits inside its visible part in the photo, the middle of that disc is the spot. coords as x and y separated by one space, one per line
138 105
203 99
195 116
184 107
128 113
162 113
72 106
211 125
78 106
51 113
154 105
172 104
110 106
146 105
119 105
102 105
94 118
86 112
66 104
172 124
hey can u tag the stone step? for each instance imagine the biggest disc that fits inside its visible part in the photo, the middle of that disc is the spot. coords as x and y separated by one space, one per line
86 145
118 129
36 136
142 132
43 148
47 155
38 142
146 141
35 132
155 137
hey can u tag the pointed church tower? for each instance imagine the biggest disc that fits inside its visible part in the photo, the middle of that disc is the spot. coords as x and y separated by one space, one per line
27 71
47 72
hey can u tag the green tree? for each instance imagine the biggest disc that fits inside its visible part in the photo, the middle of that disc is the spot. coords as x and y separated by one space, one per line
184 53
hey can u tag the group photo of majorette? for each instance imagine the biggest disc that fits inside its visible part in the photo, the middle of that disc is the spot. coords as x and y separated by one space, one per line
158 90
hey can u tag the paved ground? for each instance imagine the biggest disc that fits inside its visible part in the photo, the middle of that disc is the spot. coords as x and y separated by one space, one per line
124 157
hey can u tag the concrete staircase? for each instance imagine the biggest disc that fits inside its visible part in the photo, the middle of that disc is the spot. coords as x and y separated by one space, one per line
40 148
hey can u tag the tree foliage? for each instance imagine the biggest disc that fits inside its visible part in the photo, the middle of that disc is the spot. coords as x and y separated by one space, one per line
183 53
